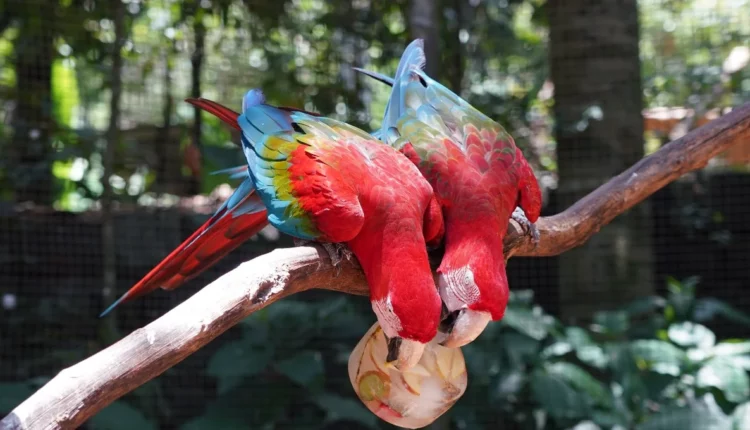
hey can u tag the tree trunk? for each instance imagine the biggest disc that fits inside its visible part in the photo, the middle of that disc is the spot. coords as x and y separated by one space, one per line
196 60
168 168
452 58
109 328
424 23
30 153
595 67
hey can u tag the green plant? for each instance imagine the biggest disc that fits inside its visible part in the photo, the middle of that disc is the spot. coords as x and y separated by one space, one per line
290 361
651 365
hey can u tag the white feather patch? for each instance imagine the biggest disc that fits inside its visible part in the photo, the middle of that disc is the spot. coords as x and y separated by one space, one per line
458 289
387 318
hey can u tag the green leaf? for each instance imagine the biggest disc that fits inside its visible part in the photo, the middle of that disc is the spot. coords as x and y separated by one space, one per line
527 322
613 323
338 318
521 297
558 398
235 361
724 375
657 384
687 334
645 305
578 337
724 349
120 416
340 408
521 349
609 419
582 380
13 393
741 417
508 384
682 296
709 308
557 349
741 361
586 350
586 425
257 403
697 418
593 355
658 356
304 368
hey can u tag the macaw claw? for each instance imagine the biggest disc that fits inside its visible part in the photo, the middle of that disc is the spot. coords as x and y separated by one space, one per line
337 252
527 226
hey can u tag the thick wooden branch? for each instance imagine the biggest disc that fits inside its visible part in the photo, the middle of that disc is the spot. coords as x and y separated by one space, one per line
82 390
575 225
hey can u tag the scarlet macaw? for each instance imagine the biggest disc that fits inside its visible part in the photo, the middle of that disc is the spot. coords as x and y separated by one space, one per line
319 179
478 175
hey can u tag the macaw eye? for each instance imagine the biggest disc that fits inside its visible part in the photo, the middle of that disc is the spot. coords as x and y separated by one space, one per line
468 277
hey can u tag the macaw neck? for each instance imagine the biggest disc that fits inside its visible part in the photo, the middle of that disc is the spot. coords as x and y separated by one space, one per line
402 289
476 234
390 256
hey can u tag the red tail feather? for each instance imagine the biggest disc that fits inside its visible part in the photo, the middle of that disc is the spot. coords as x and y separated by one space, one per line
222 112
221 234
228 115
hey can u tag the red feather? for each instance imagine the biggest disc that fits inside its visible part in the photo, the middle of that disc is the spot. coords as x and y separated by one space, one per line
216 238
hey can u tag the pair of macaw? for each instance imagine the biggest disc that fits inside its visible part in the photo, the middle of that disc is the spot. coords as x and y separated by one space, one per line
441 170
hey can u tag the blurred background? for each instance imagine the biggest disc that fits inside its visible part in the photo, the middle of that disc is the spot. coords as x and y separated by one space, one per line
104 169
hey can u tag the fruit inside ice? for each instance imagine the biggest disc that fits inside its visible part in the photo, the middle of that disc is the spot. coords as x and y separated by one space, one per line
411 399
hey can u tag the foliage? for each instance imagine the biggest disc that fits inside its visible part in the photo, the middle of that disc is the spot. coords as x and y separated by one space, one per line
651 365
300 52
292 358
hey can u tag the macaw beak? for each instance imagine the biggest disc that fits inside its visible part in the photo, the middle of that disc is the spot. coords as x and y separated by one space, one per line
403 354
463 326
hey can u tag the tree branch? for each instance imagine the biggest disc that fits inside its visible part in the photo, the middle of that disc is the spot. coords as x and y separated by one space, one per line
83 389
575 225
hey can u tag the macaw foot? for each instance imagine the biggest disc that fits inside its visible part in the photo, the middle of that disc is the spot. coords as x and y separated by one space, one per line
527 226
337 252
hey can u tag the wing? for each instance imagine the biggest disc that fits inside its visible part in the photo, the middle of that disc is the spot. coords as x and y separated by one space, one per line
299 165
419 101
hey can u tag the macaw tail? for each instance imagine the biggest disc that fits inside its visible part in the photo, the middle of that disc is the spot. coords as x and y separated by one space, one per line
237 220
229 116
413 58
242 216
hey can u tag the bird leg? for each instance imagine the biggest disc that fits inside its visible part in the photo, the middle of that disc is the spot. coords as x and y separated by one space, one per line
527 226
337 252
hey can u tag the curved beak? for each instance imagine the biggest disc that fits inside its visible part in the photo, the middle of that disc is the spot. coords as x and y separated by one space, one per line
404 353
463 326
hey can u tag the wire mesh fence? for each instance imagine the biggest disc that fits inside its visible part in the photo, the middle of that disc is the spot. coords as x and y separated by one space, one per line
586 90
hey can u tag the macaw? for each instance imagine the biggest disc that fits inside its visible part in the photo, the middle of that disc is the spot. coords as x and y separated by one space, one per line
478 175
318 179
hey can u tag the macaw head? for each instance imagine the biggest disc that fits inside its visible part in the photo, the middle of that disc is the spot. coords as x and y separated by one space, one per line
474 289
409 314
